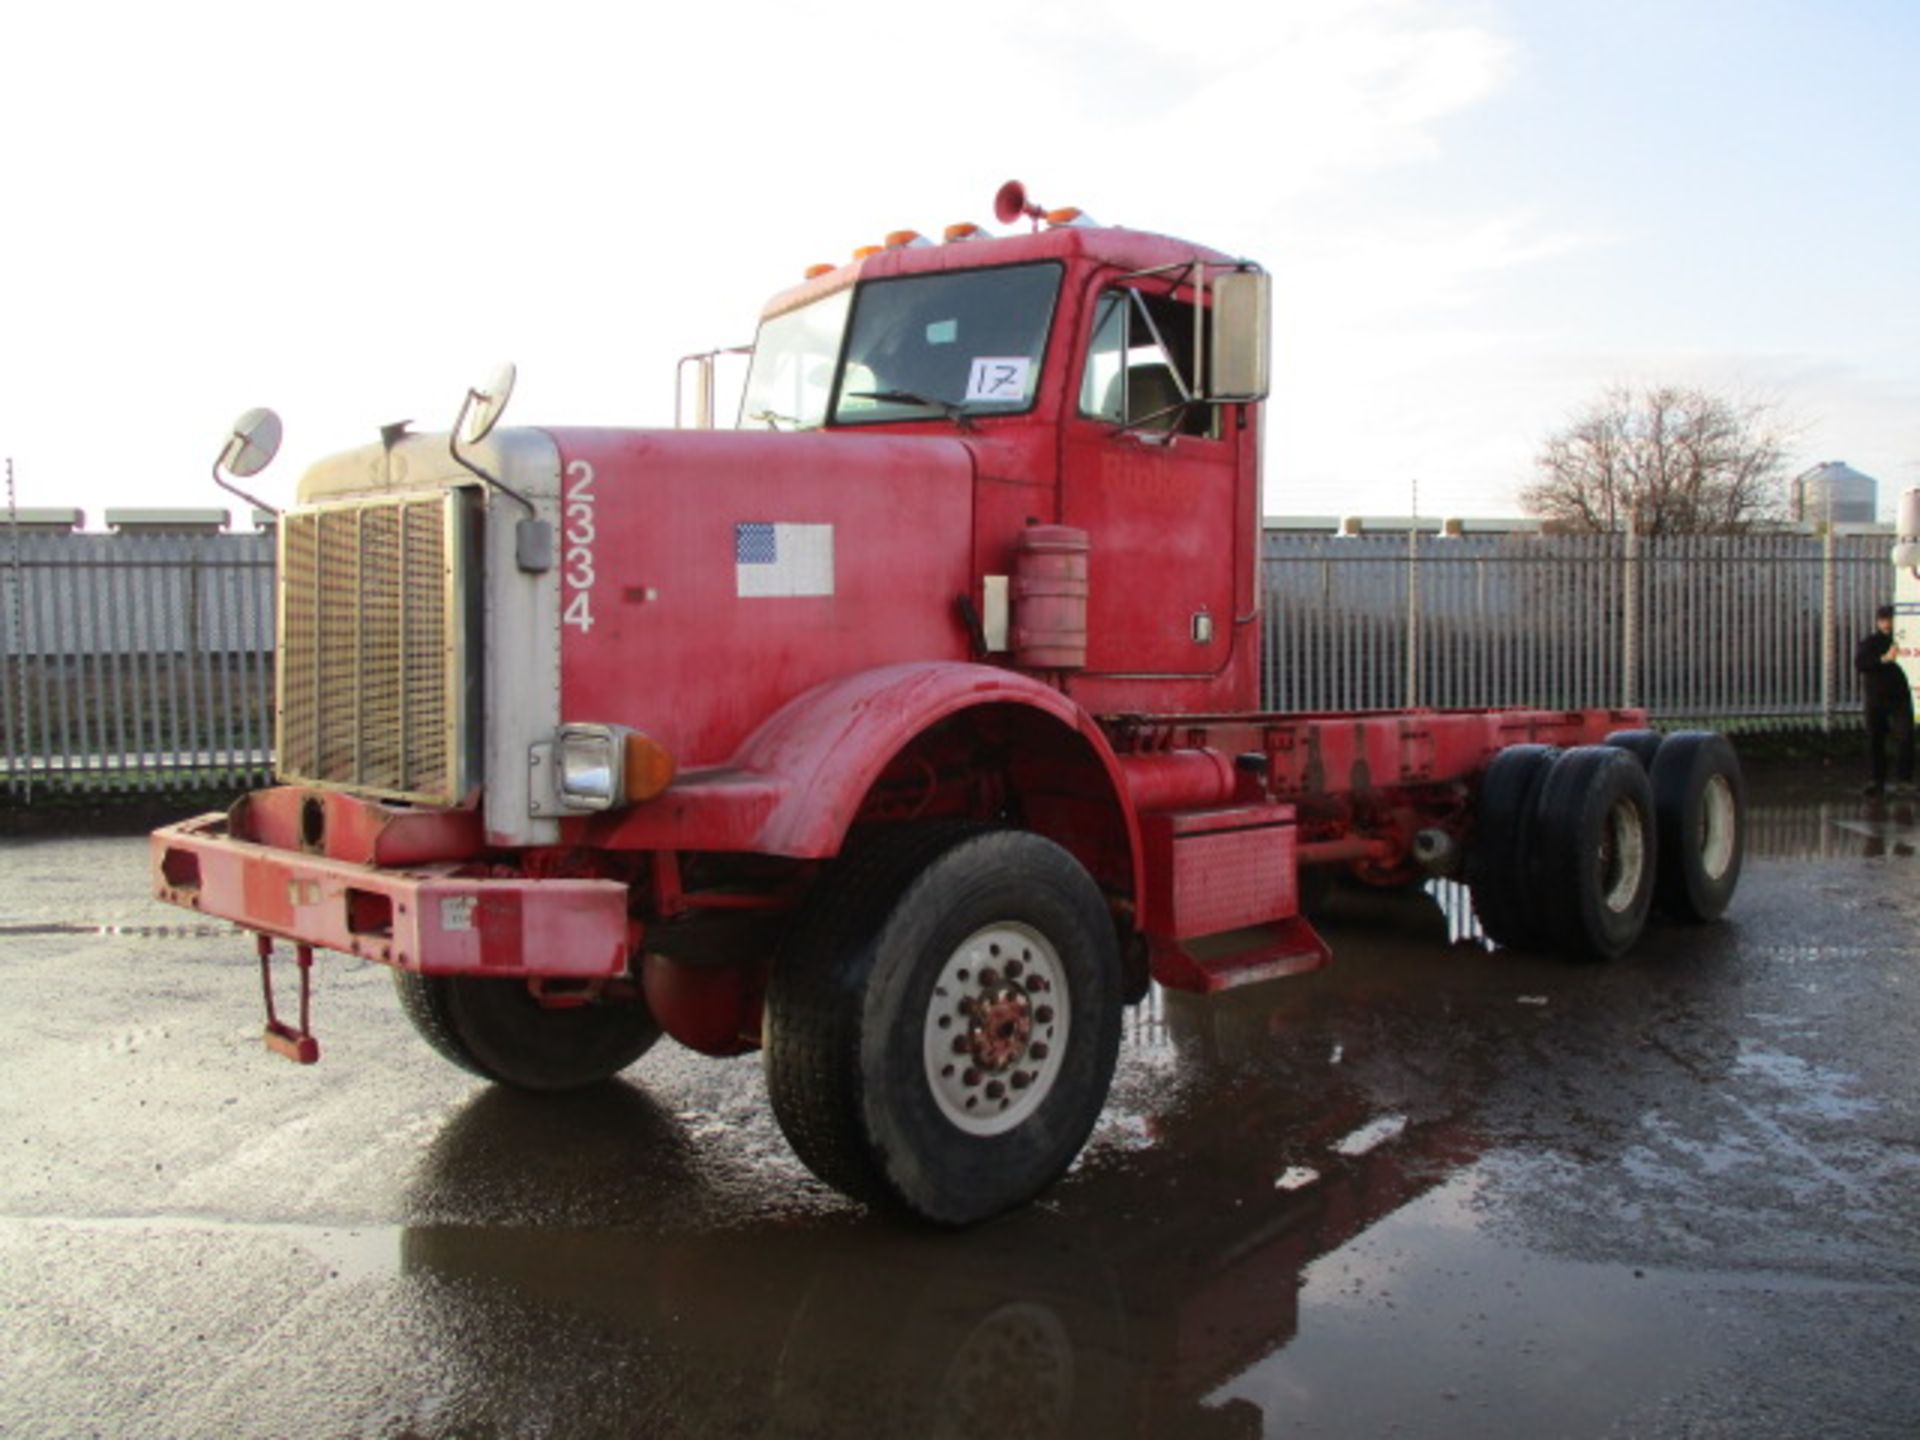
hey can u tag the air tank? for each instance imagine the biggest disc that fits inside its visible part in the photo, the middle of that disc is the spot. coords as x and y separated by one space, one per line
1050 598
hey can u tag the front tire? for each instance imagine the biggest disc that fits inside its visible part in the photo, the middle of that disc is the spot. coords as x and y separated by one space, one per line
943 1029
497 1030
1643 745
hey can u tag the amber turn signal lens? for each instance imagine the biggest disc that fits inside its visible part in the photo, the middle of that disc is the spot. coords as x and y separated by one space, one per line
649 768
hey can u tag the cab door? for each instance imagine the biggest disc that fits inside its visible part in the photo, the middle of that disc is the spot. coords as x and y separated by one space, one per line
1147 473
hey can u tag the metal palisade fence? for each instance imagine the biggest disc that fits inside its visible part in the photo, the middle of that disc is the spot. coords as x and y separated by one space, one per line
135 663
1742 632
140 663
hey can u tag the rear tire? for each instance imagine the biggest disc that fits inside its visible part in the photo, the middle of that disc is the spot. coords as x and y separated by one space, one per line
1700 799
1496 866
1643 745
1595 852
943 1028
497 1030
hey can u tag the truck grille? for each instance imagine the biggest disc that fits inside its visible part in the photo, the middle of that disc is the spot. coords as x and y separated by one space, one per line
372 668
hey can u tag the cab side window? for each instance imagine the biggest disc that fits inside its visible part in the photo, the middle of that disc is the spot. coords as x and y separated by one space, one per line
1138 366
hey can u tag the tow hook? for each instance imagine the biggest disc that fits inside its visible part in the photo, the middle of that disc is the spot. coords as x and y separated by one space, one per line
299 1044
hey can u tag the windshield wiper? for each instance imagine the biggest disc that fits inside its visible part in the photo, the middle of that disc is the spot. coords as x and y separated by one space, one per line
773 419
953 412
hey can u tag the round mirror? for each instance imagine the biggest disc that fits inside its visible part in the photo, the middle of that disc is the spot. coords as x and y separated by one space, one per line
255 441
485 404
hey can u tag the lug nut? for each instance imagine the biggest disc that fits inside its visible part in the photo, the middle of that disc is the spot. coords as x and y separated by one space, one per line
1015 969
995 1090
1021 1079
960 1046
1038 1050
972 1077
989 978
1044 1014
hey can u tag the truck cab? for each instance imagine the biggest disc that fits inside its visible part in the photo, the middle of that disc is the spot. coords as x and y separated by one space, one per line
1076 365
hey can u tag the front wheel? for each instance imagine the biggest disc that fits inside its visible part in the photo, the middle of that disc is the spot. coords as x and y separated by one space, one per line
943 1028
497 1030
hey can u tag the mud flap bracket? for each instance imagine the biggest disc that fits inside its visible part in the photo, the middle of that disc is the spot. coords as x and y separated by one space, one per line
297 1044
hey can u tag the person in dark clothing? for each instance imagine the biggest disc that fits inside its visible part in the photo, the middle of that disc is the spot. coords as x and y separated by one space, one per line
1889 700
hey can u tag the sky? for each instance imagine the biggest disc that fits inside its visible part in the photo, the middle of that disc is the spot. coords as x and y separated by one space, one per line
1478 213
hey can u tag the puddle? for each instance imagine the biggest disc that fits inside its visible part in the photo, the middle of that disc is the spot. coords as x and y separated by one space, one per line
1486 1339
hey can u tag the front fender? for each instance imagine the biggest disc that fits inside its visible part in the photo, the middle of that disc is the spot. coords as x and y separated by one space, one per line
794 787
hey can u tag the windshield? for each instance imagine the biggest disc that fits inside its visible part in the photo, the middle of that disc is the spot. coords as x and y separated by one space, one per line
962 343
792 371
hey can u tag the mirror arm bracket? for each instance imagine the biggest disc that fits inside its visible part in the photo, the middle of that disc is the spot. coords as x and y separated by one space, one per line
232 489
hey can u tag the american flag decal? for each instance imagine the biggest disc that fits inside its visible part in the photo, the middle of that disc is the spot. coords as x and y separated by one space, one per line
776 560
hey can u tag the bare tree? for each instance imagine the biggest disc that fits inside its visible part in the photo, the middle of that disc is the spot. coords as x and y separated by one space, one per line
1673 459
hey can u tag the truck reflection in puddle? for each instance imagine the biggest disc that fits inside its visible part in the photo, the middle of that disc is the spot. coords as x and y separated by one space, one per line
1093 1319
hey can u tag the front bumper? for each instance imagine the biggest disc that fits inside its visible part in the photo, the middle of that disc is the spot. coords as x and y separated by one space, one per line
427 918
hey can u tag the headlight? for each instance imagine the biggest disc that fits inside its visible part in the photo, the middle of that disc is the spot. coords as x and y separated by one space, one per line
604 766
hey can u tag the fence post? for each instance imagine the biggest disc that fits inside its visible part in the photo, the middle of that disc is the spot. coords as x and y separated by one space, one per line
1413 603
19 749
1630 617
1828 619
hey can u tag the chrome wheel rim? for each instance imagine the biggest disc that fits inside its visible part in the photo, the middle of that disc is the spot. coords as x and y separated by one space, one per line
1719 817
995 1035
1014 1374
1623 856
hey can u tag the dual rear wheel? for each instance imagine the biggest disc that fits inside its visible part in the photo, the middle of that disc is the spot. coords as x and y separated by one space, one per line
1573 848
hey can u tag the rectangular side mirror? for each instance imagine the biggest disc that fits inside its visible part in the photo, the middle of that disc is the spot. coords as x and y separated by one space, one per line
1242 328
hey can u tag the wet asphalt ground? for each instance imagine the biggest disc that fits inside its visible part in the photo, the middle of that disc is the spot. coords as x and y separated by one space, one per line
1433 1191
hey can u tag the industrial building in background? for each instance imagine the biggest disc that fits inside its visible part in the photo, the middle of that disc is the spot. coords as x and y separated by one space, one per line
1833 491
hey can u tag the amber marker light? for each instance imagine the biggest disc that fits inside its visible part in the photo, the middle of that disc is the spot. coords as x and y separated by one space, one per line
650 768
962 230
867 252
814 272
905 239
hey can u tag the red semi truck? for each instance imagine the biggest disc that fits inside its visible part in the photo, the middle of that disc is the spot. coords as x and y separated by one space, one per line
904 733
